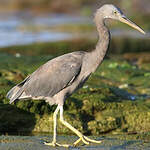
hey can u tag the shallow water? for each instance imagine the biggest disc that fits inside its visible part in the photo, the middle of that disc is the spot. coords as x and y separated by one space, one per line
36 142
11 32
14 28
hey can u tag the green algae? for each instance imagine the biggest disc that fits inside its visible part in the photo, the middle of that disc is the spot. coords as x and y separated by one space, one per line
97 107
114 100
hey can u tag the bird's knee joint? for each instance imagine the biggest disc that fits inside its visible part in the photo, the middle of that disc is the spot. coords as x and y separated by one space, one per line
61 119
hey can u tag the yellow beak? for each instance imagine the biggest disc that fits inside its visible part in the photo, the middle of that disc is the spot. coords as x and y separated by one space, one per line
124 19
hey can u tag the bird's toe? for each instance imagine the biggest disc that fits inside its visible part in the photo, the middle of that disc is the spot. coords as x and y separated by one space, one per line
91 140
54 144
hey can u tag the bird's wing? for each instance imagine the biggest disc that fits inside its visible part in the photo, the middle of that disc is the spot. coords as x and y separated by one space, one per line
54 76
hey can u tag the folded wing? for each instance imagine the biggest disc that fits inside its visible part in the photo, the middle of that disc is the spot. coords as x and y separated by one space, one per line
52 77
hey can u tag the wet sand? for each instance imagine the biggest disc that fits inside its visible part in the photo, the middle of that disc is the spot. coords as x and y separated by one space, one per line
36 143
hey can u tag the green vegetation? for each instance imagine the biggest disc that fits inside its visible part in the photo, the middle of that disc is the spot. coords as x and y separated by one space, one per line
118 45
114 100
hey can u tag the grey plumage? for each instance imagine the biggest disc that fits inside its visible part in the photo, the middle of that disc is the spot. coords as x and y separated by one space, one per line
44 78
61 76
16 91
59 73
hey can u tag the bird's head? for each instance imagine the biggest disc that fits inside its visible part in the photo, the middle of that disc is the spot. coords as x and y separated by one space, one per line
109 11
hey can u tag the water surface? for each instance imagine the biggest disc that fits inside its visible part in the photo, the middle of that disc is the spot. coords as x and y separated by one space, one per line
24 28
36 142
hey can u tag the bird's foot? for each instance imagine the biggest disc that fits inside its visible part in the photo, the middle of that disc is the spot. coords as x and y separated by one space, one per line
54 144
85 140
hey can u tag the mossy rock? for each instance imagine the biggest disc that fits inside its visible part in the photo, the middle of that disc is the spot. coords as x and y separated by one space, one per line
115 99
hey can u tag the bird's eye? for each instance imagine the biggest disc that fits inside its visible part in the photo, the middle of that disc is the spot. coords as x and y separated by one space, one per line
115 12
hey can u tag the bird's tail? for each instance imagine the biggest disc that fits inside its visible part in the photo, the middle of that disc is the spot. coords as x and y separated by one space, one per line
13 94
16 91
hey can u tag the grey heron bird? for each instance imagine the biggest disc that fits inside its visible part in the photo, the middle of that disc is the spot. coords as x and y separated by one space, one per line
60 77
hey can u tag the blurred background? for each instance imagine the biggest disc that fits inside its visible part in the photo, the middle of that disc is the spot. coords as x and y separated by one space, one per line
26 21
116 99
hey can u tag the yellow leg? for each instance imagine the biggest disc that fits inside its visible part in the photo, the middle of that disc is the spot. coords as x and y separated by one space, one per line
82 138
53 143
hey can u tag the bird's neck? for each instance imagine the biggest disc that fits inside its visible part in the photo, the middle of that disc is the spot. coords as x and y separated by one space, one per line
99 52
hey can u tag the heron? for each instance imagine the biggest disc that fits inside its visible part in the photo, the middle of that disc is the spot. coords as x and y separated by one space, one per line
60 77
